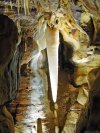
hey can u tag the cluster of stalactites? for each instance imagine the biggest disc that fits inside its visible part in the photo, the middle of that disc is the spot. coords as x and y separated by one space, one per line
20 4
26 5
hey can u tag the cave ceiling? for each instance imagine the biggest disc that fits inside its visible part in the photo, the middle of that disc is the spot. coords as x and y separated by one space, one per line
62 14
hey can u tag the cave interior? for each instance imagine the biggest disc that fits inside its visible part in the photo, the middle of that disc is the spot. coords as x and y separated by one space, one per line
49 66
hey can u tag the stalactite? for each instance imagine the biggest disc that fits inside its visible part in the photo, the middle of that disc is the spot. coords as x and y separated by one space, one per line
25 7
18 26
52 41
11 4
18 6
41 38
49 38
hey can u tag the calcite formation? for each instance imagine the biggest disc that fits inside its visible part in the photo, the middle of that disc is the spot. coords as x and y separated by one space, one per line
10 55
39 23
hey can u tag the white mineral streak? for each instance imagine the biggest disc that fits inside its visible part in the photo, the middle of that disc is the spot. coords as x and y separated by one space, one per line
56 129
19 26
11 4
52 41
25 7
41 38
41 43
18 7
35 60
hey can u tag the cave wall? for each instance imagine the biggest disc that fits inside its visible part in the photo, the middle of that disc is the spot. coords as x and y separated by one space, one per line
10 56
10 68
90 117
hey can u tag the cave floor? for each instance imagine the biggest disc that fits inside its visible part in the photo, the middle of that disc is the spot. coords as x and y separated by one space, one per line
34 112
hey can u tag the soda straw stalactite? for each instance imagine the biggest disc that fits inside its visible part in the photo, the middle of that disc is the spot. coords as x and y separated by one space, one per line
25 11
18 6
27 6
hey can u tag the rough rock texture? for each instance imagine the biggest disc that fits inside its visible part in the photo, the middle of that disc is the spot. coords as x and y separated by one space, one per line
34 101
83 69
10 56
31 103
8 75
6 121
84 73
90 117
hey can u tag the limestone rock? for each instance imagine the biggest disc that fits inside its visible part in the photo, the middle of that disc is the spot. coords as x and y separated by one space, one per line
90 118
6 121
9 61
83 69
82 96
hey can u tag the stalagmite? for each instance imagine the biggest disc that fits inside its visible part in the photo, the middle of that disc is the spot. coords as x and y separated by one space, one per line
52 41
56 118
39 125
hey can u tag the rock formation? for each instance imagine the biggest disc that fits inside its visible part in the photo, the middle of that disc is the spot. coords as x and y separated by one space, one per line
90 116
10 55
75 27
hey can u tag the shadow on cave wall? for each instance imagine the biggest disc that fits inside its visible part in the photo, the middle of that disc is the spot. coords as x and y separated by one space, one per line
10 56
90 117
65 56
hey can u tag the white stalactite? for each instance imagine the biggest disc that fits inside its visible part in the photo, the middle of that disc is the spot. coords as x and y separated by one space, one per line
41 38
52 41
11 4
25 7
18 6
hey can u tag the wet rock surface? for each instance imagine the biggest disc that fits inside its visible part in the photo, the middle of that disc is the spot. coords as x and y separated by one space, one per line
7 60
10 55
32 104
33 110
